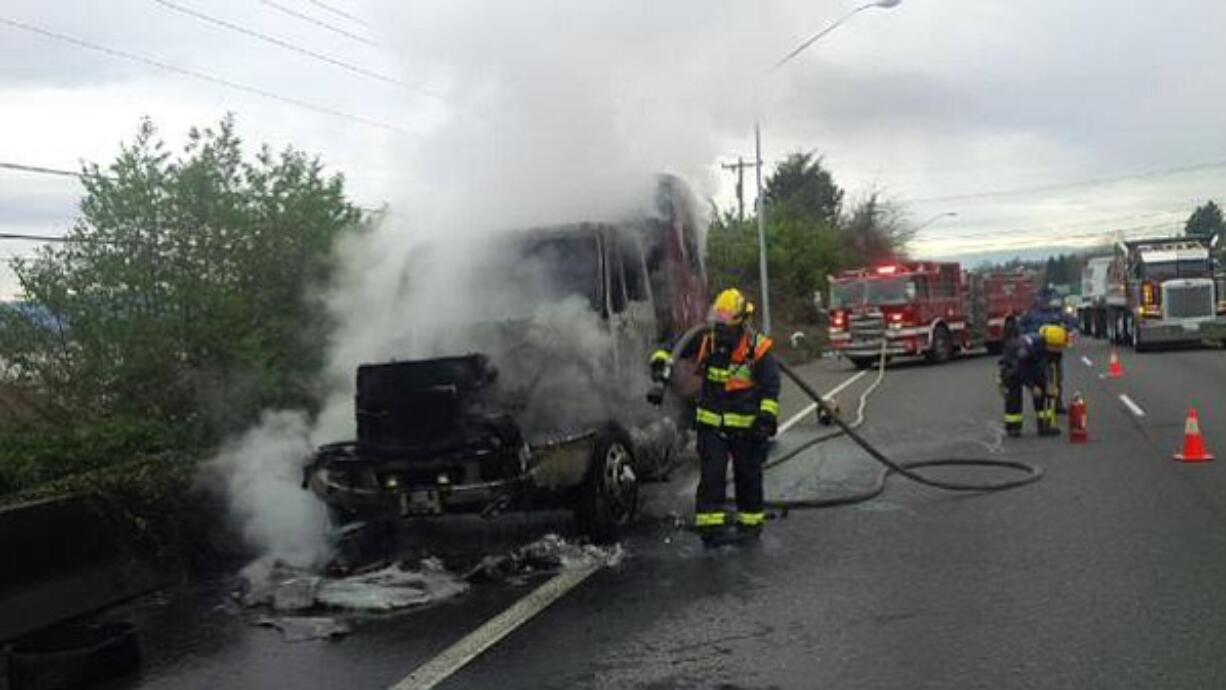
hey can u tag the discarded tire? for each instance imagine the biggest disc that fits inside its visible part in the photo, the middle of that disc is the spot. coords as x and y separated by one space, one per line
73 656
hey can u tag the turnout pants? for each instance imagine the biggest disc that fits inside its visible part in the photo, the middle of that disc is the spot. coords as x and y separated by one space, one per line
1044 406
747 453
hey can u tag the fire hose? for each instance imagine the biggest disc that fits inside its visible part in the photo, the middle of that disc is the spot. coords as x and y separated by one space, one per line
905 468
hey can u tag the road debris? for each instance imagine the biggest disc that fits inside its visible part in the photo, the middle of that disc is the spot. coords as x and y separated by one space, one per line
303 628
389 588
546 555
392 588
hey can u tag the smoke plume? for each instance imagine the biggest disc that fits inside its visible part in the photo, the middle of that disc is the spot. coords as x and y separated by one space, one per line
547 113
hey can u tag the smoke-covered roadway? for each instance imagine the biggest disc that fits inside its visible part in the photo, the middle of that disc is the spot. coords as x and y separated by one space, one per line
1105 574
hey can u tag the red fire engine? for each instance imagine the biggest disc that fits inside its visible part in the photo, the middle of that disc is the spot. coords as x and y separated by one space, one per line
922 308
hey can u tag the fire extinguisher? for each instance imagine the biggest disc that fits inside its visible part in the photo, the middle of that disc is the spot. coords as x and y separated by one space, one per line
1078 419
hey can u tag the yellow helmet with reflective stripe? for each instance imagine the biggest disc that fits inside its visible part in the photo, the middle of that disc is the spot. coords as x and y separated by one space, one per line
731 307
1054 336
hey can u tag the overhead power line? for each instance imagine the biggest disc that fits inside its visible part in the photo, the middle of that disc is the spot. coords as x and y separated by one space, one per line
38 169
1093 182
197 74
290 46
947 234
308 18
39 238
1021 239
341 13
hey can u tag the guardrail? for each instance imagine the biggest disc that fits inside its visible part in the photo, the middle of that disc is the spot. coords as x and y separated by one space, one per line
61 561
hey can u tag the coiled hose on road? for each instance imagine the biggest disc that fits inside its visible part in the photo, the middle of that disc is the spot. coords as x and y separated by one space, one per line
907 469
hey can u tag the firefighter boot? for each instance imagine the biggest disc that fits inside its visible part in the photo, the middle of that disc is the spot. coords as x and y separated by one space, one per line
1047 424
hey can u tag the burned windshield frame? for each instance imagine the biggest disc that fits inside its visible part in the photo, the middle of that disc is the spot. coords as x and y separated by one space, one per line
570 265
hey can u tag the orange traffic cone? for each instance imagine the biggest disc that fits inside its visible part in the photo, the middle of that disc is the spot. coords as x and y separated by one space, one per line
1193 441
1115 370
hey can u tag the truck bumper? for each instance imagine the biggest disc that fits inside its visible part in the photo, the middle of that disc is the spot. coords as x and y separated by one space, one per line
550 469
1214 330
898 342
1182 331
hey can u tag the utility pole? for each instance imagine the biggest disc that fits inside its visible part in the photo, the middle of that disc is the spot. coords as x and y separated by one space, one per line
760 210
739 167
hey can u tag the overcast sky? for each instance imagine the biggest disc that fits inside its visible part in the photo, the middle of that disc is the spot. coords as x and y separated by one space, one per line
1105 115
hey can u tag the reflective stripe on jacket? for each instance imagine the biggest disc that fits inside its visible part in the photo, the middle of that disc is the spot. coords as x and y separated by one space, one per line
737 386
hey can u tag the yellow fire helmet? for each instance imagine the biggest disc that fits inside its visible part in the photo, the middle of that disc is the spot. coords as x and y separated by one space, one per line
731 307
1054 336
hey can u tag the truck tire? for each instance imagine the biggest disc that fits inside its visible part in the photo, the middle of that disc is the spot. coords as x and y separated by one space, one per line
994 347
1139 345
609 497
942 345
73 655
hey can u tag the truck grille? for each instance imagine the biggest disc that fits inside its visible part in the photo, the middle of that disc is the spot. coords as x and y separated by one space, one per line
866 327
1188 301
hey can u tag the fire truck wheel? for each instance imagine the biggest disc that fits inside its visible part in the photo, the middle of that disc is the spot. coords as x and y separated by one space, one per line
942 345
995 348
862 362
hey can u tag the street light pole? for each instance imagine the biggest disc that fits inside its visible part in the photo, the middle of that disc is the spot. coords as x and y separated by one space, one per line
760 206
930 221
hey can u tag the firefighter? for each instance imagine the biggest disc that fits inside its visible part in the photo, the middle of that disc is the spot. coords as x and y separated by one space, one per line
735 416
1055 363
1026 362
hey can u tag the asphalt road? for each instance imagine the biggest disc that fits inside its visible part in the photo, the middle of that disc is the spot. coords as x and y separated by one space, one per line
1109 573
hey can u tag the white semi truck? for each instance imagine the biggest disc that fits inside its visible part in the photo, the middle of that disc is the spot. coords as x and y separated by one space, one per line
1152 291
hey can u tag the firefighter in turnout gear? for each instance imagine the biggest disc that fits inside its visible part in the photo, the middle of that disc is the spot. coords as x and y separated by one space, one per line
1027 362
736 415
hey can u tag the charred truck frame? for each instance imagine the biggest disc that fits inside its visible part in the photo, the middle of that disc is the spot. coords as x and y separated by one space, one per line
452 435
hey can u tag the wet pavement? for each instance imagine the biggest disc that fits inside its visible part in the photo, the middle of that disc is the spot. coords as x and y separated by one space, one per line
1106 574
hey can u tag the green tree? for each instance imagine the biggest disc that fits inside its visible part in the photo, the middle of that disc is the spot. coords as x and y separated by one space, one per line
1205 221
188 291
801 187
875 231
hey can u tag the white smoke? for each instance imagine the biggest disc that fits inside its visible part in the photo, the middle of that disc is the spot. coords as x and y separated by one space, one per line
263 471
553 112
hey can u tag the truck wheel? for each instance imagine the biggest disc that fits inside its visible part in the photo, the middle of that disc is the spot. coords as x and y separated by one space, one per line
609 496
995 347
862 362
942 345
1139 345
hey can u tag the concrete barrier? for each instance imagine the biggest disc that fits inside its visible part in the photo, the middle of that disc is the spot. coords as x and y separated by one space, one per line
60 559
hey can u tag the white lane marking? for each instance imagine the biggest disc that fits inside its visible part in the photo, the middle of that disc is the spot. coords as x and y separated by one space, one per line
473 644
783 428
1087 361
1135 408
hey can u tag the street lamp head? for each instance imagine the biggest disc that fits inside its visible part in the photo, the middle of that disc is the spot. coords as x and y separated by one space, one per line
887 4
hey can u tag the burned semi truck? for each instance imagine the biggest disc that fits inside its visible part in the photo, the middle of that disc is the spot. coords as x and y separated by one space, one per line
544 404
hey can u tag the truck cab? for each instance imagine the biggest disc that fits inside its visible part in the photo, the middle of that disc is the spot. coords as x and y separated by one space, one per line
538 396
1169 290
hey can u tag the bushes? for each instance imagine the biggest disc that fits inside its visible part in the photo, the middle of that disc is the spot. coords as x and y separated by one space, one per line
34 457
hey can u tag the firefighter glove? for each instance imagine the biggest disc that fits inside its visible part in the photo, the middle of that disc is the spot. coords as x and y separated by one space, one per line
661 364
764 427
